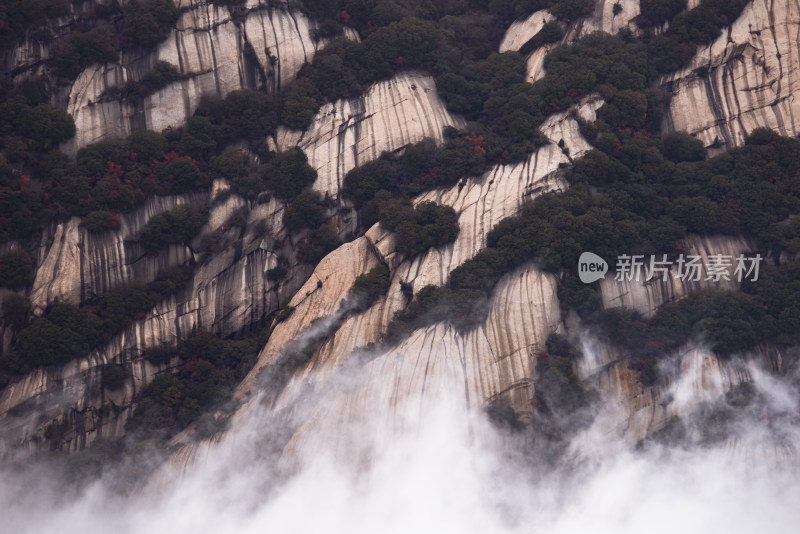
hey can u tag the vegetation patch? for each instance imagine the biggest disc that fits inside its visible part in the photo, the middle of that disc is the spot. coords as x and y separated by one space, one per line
210 368
421 227
178 225
16 269
115 376
66 332
162 75
369 287
145 23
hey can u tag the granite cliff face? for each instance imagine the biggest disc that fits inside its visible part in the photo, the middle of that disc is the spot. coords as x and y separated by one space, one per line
75 263
388 116
480 202
216 49
645 297
752 66
229 290
602 19
746 79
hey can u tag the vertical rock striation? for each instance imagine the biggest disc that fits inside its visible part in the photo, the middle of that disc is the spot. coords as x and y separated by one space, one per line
390 115
74 263
216 51
746 79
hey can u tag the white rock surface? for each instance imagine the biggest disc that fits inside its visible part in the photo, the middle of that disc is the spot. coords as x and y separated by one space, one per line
602 19
521 31
231 291
71 393
75 263
28 55
494 361
694 376
209 47
225 295
647 296
748 78
480 203
391 114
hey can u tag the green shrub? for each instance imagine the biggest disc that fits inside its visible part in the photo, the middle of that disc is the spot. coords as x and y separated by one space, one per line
363 182
145 23
420 228
657 12
115 376
42 124
210 368
147 145
277 273
197 138
65 333
16 310
101 221
431 304
81 49
304 211
370 286
288 173
16 269
180 174
570 10
243 114
300 103
317 244
20 17
674 49
231 164
416 169
680 146
178 225
626 109
551 32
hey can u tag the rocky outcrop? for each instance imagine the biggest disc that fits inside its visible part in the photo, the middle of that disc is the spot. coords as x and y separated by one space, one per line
492 362
646 296
74 263
521 31
691 378
263 44
29 54
69 405
230 290
747 79
389 115
227 294
602 19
